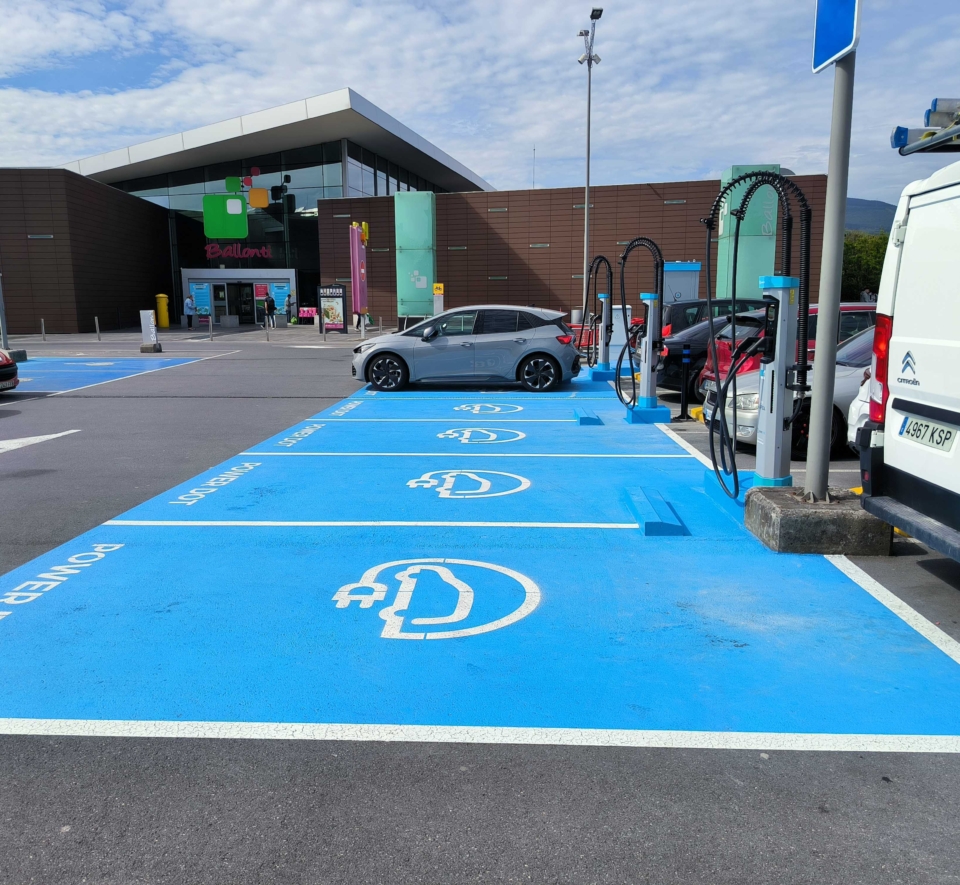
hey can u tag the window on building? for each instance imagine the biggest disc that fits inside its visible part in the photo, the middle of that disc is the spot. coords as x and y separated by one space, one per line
354 178
215 176
186 181
331 152
154 186
381 177
332 175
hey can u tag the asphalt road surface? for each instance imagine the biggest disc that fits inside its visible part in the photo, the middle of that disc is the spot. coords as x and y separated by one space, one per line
136 810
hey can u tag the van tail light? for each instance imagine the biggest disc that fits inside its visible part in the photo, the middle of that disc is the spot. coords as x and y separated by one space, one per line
667 329
879 364
564 339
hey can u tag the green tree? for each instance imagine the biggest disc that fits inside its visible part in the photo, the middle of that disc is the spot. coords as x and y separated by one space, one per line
862 263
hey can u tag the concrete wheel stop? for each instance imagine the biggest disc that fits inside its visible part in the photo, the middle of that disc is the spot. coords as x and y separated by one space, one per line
786 523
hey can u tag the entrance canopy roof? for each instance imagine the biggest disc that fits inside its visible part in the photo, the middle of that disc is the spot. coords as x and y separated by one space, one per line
323 118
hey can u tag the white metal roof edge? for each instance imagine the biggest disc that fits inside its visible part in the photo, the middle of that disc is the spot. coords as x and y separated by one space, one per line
369 110
945 177
294 112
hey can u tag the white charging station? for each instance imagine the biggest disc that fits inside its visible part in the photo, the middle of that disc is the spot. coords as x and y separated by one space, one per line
776 400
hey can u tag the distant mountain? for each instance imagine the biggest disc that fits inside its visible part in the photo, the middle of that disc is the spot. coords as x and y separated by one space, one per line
872 216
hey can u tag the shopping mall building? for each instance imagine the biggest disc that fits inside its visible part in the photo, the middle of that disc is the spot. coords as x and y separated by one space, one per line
102 236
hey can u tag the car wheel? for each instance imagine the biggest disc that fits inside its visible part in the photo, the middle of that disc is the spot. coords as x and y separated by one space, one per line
801 433
693 388
388 372
540 373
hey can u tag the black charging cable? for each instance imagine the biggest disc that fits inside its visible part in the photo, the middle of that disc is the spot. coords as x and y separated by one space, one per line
592 352
633 335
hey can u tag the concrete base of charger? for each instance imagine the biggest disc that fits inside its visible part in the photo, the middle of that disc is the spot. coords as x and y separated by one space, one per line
151 348
787 524
18 356
654 415
599 374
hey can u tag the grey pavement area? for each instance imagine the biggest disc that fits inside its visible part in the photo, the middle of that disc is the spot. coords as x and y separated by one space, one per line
146 811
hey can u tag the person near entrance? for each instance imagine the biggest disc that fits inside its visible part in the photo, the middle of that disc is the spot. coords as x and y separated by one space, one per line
189 309
271 308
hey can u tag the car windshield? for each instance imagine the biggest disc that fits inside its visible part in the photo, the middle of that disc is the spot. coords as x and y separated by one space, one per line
856 351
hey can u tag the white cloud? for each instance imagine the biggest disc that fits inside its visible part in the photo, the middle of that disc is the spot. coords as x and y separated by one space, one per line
685 89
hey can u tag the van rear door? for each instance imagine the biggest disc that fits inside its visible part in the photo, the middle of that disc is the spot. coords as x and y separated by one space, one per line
923 409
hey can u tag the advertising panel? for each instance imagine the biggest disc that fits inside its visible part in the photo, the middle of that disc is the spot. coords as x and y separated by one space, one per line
332 301
201 297
286 303
358 270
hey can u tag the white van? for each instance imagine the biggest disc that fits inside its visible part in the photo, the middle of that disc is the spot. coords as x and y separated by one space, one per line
910 457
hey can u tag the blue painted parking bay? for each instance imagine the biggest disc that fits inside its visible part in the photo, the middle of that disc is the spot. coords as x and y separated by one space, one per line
63 374
462 565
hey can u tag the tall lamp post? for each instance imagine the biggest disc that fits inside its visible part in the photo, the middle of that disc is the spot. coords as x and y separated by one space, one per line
590 58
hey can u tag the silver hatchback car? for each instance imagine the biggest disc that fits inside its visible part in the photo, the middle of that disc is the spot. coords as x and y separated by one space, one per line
490 343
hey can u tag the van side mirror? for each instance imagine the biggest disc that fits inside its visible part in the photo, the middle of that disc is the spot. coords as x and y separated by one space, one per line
429 332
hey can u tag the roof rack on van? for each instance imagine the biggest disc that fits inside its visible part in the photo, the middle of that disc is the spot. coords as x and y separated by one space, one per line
940 132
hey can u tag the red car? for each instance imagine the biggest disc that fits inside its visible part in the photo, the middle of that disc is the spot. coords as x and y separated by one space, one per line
8 372
853 318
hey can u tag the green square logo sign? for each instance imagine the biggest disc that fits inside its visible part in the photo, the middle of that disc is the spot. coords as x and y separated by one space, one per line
225 216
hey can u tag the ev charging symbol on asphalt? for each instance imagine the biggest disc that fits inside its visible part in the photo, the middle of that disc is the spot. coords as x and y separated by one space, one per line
487 408
373 587
478 435
463 484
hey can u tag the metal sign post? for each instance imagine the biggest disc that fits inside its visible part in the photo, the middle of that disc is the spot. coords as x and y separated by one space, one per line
835 41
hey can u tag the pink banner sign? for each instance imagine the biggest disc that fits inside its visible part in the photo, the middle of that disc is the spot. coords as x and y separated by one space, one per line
358 270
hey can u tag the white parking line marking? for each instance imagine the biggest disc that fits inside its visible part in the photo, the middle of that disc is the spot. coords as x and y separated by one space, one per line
447 420
147 372
473 734
368 523
929 631
8 445
703 459
457 453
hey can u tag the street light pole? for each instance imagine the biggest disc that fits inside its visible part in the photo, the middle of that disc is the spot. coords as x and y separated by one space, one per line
590 59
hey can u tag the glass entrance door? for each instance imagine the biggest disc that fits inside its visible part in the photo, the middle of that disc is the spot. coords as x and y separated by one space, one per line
240 302
247 314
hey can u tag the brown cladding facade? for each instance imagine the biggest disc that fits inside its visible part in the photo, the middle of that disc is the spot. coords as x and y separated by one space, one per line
526 247
72 249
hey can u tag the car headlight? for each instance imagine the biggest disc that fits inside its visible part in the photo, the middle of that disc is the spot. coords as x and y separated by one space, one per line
749 402
363 348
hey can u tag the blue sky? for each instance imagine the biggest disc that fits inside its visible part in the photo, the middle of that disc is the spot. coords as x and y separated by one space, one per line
684 90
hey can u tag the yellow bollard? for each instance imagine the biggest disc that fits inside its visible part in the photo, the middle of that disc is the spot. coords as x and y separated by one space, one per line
163 312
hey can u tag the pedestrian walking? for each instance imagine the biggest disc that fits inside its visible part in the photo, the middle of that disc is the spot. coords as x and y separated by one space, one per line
189 309
271 308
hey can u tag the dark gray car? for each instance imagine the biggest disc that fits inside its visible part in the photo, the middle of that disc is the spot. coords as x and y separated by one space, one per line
528 345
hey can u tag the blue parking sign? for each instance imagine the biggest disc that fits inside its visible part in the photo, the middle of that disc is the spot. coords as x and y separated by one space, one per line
836 32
